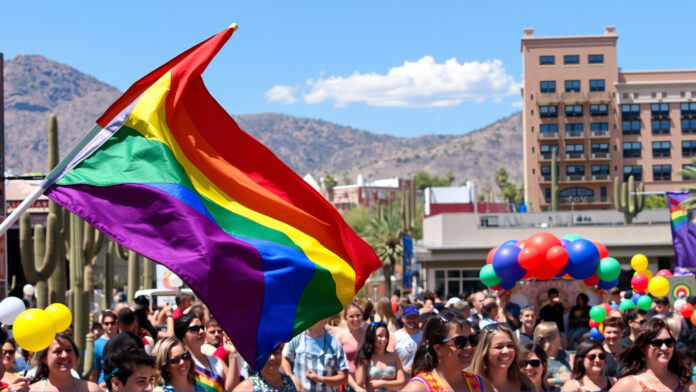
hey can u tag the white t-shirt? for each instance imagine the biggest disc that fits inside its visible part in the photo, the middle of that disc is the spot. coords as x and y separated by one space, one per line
406 346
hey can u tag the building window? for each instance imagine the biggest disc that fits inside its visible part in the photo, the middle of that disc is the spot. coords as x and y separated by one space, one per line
661 149
548 111
575 150
660 126
600 170
547 149
575 170
662 172
453 282
573 110
548 86
576 193
599 126
635 170
572 86
597 85
547 194
631 150
688 126
600 148
574 130
571 59
595 59
548 128
547 60
659 110
630 127
688 148
630 111
599 110
688 109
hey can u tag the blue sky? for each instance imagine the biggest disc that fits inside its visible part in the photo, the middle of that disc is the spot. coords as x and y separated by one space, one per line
399 67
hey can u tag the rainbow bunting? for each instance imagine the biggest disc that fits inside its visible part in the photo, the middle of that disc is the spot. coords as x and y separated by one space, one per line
167 173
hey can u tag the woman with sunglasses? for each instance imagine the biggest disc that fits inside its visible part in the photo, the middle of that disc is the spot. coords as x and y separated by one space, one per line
446 348
377 369
589 368
497 360
173 367
270 378
651 363
213 373
534 366
548 336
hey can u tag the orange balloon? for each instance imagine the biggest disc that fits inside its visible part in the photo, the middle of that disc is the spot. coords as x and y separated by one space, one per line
567 277
693 318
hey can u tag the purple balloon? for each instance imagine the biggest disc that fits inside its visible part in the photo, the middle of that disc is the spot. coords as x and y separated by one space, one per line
583 259
614 306
505 264
564 243
507 285
608 285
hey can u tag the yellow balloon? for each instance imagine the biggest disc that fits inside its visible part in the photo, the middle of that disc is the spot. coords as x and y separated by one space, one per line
601 327
61 316
645 272
639 262
658 286
34 330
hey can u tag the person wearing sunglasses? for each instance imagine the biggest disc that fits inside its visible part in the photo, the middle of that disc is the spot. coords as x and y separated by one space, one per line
377 369
497 360
174 369
635 318
213 373
108 323
589 368
534 366
651 363
446 349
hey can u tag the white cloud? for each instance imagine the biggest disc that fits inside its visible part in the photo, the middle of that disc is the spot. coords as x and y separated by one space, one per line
423 83
282 94
518 104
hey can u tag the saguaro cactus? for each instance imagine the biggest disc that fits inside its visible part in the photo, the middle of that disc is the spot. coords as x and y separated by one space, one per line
39 256
108 283
555 192
133 270
628 198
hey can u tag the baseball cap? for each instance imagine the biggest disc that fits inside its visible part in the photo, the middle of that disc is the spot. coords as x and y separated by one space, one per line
410 310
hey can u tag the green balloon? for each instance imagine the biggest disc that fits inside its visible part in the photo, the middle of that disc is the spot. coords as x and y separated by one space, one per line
597 313
644 302
572 237
626 304
488 276
608 269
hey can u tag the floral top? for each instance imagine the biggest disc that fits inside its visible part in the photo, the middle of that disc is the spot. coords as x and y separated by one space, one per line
260 384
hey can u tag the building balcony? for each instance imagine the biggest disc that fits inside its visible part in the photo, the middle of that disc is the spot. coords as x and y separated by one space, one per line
545 157
595 97
601 177
579 200
601 155
545 179
574 135
573 98
573 178
548 135
545 99
599 134
575 156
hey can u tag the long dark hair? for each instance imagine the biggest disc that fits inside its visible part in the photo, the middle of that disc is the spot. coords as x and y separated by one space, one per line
536 349
435 331
634 358
38 359
584 348
368 345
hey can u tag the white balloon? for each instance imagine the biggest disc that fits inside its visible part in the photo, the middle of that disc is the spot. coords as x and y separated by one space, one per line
28 290
10 308
678 304
175 280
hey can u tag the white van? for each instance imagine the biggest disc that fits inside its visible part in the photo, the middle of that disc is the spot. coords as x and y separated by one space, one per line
160 297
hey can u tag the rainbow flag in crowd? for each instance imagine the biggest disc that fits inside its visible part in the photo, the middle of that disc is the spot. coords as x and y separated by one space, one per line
683 233
167 173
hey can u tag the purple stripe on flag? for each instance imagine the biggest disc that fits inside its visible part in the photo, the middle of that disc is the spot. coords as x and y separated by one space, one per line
225 272
684 239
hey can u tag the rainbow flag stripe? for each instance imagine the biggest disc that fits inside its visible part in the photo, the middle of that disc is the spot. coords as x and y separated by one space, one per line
167 173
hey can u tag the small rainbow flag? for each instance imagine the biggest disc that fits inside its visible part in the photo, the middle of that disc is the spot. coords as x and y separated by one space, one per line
167 173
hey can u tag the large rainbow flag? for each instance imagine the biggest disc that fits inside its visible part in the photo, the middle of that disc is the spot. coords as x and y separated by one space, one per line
167 173
683 233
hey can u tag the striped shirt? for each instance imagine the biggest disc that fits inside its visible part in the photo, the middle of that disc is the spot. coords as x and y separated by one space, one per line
323 355
210 380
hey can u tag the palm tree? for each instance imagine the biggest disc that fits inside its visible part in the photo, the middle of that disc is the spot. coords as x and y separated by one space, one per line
384 235
690 171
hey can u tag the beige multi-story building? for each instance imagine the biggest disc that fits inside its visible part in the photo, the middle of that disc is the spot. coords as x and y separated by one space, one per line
603 122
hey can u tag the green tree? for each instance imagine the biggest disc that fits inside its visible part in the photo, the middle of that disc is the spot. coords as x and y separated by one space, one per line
425 180
384 235
346 178
357 218
501 178
449 177
690 172
654 202
329 184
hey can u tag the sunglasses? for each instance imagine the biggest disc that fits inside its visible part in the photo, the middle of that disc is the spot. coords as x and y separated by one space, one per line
176 360
109 323
196 328
9 352
376 324
657 343
601 357
461 341
535 363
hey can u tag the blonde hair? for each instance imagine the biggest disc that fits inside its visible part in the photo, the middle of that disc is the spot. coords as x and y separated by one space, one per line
161 353
479 363
385 311
674 325
544 333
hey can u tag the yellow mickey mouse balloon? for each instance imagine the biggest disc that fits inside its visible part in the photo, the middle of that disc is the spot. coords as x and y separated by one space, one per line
61 316
34 330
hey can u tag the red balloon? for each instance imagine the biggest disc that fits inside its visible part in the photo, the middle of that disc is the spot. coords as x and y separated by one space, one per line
496 287
664 273
527 275
545 272
557 257
592 280
489 258
530 258
639 282
543 242
520 244
603 252
607 307
594 324
686 310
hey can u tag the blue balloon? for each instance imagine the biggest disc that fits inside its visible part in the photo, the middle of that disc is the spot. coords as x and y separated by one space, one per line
505 264
507 285
509 242
561 273
635 298
608 285
583 259
614 306
595 334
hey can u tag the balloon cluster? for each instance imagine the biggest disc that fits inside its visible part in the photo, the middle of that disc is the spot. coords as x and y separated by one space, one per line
685 309
543 256
34 329
597 315
644 282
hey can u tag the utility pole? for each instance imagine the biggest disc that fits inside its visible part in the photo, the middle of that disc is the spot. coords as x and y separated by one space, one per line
3 238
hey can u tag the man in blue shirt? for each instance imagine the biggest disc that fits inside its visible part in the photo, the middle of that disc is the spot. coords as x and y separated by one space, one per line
108 322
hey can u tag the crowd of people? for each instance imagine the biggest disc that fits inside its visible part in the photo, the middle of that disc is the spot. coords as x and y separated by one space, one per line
478 342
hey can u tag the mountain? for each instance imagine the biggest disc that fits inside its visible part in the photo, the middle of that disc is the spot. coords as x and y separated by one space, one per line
36 87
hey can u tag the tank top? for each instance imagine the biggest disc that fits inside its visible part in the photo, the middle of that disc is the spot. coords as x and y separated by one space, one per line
645 388
433 384
581 388
213 379
351 352
260 384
